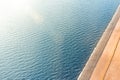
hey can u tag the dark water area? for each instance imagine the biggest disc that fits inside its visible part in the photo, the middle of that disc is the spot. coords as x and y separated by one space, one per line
50 39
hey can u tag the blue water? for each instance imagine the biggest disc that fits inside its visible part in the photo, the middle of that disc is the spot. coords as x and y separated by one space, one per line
50 39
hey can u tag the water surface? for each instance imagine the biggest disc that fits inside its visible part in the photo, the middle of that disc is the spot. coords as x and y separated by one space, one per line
50 39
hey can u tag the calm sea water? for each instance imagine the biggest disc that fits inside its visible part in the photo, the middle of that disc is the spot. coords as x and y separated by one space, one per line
50 39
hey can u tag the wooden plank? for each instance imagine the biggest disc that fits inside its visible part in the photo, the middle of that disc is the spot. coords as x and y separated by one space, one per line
113 72
105 59
93 59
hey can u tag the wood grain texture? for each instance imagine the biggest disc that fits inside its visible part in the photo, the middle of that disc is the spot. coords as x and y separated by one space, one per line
113 72
98 50
107 55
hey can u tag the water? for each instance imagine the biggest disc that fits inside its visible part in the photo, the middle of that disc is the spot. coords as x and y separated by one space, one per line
50 39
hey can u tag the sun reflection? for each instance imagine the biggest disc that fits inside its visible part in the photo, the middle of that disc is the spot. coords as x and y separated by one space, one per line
13 6
13 9
9 9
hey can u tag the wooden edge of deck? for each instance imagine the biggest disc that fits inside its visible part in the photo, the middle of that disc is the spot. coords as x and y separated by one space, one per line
93 59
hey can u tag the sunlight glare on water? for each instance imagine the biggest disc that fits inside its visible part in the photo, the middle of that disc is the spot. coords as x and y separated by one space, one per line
13 9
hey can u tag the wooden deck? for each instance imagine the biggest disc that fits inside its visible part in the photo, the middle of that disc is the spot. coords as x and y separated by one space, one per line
104 63
108 66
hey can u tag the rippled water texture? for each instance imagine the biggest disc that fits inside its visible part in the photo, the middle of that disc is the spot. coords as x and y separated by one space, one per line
50 39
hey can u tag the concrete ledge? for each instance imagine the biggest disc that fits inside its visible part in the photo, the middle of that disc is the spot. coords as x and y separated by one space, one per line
93 59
